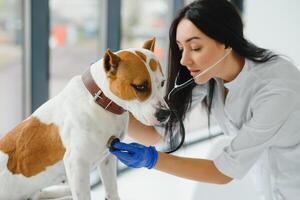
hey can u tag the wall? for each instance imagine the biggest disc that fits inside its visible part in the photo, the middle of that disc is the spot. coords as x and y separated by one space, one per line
274 24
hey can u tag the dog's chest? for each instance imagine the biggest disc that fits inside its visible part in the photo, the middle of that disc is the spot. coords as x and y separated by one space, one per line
101 131
94 131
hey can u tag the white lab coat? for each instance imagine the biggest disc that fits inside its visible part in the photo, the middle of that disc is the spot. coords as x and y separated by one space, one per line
262 114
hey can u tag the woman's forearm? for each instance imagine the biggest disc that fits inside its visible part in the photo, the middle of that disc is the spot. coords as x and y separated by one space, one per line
201 170
146 135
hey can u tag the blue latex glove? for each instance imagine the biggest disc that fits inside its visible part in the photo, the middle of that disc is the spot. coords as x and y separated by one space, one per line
135 155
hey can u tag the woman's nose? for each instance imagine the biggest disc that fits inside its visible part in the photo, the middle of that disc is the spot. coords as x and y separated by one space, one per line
185 59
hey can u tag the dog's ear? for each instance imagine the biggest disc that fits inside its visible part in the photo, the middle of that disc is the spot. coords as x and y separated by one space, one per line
150 44
110 62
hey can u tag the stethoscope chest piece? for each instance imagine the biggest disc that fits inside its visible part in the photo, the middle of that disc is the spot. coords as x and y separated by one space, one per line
111 141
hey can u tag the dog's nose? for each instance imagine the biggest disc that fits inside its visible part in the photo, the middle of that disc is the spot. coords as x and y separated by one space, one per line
162 115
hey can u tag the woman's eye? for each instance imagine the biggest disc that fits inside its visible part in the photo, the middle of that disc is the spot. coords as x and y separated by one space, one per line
162 83
196 49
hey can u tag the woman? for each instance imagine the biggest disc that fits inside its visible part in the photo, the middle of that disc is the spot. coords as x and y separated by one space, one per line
253 94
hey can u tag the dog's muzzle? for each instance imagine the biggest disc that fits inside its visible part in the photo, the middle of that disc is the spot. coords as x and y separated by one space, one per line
162 115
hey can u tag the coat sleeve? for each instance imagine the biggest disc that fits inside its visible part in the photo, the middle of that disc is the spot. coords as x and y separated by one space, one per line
270 110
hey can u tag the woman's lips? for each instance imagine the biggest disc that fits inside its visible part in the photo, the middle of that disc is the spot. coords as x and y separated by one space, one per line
194 73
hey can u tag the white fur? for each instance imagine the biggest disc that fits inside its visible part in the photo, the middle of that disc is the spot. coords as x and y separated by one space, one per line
85 128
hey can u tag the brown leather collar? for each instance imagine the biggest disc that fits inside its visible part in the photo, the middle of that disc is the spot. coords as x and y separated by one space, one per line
98 95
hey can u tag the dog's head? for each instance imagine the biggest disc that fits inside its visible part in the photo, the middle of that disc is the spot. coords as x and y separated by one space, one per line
136 79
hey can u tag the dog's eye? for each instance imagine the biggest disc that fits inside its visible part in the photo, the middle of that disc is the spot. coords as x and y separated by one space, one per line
162 83
140 88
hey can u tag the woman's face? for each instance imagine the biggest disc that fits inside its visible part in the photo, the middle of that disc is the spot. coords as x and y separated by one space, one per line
199 51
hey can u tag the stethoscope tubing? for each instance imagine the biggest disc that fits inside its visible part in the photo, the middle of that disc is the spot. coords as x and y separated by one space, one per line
178 87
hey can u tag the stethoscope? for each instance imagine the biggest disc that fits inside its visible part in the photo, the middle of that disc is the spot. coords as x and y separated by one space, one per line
176 88
180 86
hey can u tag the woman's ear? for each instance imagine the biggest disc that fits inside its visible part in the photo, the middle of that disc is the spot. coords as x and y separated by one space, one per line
150 44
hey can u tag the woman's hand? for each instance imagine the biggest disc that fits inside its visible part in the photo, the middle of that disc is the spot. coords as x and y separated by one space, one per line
135 155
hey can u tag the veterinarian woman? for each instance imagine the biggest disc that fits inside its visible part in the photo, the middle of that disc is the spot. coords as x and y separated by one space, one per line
253 94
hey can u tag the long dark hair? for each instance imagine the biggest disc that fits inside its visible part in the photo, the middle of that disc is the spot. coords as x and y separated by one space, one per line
221 21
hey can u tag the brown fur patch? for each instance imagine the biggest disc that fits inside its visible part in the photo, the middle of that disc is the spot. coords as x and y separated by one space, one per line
141 55
131 71
153 64
32 146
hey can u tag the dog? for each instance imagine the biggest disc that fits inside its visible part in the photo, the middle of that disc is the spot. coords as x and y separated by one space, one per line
66 137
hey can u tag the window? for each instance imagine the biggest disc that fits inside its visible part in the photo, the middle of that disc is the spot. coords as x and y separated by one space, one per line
11 39
73 40
153 23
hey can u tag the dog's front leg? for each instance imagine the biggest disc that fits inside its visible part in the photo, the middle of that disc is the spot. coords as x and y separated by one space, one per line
54 193
108 171
77 169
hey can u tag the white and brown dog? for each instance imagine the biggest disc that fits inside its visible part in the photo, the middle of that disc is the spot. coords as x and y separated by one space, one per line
63 139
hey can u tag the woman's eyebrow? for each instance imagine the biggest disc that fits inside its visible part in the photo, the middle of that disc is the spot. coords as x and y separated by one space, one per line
190 39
